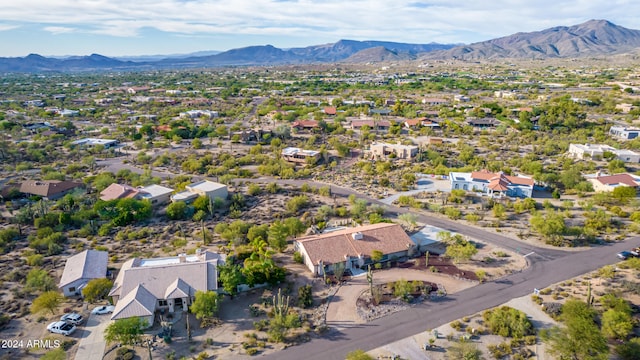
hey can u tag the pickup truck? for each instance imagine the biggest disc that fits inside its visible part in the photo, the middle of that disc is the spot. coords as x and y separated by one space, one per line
61 327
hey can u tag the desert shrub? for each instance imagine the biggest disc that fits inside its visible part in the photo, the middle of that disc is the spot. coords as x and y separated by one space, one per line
508 322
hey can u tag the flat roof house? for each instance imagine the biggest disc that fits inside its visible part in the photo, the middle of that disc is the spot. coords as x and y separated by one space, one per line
353 246
156 194
48 189
297 155
82 268
202 188
493 184
624 133
107 143
596 152
384 150
144 286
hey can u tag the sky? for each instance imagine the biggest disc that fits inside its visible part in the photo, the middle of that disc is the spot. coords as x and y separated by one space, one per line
152 27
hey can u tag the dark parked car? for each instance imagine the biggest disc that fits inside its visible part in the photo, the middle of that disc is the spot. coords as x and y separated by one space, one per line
624 255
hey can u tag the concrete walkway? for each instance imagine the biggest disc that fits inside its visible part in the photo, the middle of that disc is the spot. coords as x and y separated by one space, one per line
92 342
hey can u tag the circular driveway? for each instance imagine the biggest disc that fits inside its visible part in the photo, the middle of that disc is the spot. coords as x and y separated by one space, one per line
341 312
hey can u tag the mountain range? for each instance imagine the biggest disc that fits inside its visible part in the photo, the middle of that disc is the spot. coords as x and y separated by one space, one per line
590 39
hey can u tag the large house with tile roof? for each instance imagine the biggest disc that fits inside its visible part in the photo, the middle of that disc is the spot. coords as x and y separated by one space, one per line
144 286
353 247
493 184
49 189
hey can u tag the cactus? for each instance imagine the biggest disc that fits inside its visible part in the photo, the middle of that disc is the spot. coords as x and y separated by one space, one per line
426 260
589 297
280 305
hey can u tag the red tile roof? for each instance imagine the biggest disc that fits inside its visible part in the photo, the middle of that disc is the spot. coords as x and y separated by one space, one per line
489 176
47 188
330 110
332 247
117 191
625 179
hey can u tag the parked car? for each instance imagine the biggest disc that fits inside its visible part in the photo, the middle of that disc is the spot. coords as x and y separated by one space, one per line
624 255
61 327
72 318
101 310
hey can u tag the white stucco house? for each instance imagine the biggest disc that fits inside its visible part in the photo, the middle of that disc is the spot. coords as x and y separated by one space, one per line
493 184
206 188
596 152
82 268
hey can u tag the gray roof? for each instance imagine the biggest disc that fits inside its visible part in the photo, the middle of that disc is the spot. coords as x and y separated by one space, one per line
164 277
89 264
138 302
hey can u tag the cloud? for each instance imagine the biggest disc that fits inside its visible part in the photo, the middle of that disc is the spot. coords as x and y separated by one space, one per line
400 20
7 27
57 30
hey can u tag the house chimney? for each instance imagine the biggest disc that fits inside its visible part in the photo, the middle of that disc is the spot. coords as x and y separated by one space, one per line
357 235
182 258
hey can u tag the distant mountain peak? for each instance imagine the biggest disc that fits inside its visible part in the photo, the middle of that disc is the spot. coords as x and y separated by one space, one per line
591 38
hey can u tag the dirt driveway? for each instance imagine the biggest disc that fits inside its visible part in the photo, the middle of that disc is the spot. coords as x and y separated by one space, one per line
342 308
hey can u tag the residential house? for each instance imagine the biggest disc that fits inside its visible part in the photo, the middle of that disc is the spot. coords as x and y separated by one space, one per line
374 125
156 194
624 133
49 189
330 110
608 183
119 191
435 101
596 152
353 247
493 184
305 125
87 142
169 284
207 188
383 112
483 122
82 268
384 151
297 155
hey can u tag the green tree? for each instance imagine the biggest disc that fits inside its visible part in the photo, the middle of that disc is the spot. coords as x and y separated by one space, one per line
125 331
617 324
205 305
201 203
231 276
294 226
376 256
460 249
177 210
624 193
277 237
508 322
39 279
580 338
358 355
629 350
97 289
549 225
305 296
49 300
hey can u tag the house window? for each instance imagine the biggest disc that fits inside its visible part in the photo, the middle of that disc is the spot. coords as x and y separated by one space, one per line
162 302
72 289
456 186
